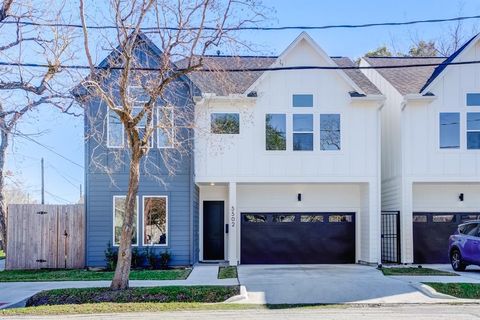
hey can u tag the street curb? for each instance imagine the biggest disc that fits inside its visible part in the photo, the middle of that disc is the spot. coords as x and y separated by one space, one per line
430 292
241 297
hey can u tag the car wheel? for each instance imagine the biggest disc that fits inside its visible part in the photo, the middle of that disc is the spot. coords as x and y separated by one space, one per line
456 261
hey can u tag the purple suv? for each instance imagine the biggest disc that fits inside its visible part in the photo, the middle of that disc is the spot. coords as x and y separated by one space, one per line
464 245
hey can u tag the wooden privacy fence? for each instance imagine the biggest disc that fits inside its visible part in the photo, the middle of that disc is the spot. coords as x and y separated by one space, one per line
45 236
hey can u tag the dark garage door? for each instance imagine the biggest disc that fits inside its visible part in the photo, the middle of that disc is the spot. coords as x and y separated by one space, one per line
431 232
276 238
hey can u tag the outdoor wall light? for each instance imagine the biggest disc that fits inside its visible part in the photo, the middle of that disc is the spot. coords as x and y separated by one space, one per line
299 197
460 197
212 183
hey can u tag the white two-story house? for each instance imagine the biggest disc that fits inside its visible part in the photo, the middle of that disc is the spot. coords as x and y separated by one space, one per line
430 147
288 162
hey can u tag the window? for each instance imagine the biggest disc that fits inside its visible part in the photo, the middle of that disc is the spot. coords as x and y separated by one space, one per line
468 217
302 132
275 132
254 218
311 218
166 127
473 99
302 100
283 218
443 218
142 124
473 130
329 132
469 229
115 130
155 220
418 218
118 214
340 218
225 123
449 130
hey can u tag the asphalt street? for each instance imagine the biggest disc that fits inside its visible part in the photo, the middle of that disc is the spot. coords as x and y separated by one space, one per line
417 312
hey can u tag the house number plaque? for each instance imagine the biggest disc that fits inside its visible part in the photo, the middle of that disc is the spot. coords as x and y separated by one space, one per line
232 217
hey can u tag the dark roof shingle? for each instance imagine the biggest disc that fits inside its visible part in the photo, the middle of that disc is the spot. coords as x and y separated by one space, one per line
224 83
406 80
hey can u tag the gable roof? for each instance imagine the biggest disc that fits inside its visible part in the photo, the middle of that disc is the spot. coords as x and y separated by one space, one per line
406 80
439 69
224 83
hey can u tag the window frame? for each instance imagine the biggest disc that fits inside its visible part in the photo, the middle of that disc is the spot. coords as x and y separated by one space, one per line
303 95
304 132
108 130
113 222
340 149
265 133
172 112
468 131
225 112
166 221
460 127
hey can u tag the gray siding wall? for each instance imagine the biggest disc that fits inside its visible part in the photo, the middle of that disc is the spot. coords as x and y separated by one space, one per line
107 176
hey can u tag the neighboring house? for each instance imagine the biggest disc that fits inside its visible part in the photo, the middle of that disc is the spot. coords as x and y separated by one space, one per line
288 163
167 207
430 147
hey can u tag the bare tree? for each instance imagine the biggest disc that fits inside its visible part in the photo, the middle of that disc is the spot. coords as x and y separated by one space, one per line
183 36
23 90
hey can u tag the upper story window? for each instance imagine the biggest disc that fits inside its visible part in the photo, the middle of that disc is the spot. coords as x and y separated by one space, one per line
275 132
225 123
330 132
166 127
302 100
449 130
473 130
115 130
473 99
142 130
303 132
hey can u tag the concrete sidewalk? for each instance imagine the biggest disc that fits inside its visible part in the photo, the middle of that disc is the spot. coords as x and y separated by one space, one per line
12 293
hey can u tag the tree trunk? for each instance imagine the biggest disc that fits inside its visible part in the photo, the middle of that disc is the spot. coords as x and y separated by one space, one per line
124 261
3 208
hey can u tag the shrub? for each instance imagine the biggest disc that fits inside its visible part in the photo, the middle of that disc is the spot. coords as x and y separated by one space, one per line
111 256
165 259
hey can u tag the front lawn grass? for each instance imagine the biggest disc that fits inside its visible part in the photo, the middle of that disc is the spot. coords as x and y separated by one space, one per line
203 294
85 275
227 272
459 290
413 271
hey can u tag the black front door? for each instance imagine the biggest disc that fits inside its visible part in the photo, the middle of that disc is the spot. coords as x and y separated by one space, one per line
213 230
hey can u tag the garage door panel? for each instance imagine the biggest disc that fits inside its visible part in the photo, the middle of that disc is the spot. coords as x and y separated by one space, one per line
273 242
431 232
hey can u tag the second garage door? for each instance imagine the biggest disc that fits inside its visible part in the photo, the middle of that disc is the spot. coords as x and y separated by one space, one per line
431 232
287 238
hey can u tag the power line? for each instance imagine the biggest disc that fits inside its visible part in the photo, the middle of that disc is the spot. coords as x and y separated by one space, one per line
58 197
262 69
49 149
251 28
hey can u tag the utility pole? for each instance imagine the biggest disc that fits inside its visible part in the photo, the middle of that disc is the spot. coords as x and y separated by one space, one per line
81 195
43 184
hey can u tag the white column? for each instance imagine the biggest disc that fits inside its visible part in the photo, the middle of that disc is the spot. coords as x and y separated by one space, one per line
375 222
233 221
406 218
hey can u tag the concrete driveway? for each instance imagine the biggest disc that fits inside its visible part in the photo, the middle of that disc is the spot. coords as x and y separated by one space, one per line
298 284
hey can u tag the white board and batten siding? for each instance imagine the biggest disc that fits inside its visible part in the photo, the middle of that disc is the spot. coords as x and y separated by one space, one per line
339 181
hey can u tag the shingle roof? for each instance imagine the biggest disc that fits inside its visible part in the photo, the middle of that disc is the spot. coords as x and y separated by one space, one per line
224 83
406 80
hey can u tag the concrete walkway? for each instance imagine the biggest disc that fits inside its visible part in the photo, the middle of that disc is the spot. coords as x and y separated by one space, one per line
12 293
316 284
